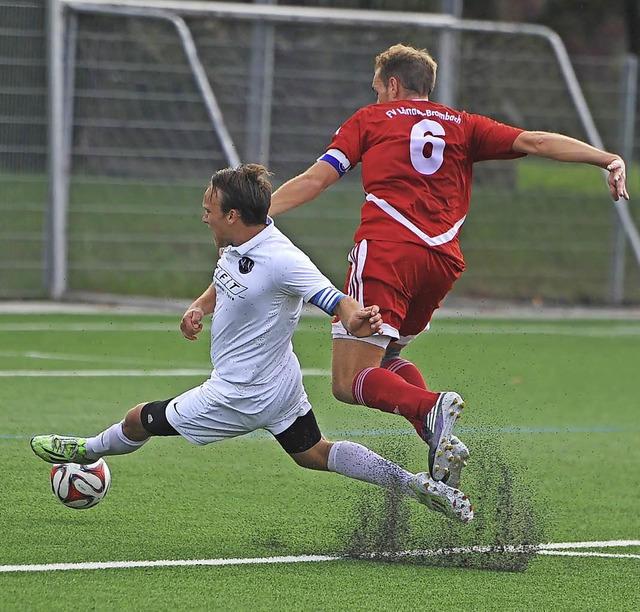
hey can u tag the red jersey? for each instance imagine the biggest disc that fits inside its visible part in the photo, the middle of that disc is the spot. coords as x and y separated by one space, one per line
417 163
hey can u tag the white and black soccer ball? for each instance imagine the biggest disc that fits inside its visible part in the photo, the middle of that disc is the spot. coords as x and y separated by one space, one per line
80 486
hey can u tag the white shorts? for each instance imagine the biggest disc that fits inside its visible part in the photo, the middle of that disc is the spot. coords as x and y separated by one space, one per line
218 410
339 332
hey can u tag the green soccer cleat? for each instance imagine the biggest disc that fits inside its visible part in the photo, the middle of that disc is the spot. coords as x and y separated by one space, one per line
60 449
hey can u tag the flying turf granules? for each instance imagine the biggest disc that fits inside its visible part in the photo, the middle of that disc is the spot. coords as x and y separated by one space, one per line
503 536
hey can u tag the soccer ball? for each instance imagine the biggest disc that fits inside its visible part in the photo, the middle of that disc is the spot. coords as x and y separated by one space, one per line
80 486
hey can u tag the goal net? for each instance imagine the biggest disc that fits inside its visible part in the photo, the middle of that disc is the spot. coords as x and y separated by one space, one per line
155 96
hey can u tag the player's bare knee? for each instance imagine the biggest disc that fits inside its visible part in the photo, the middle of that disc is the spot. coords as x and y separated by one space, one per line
132 425
341 388
306 460
316 458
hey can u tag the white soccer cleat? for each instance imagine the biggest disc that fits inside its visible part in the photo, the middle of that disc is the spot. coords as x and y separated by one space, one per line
455 458
446 452
440 497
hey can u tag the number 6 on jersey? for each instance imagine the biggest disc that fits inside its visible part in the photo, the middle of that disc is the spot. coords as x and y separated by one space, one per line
422 133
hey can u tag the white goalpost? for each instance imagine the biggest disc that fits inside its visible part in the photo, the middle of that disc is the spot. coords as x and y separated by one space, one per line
150 91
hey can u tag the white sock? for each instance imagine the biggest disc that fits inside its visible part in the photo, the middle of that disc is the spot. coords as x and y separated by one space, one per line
111 441
356 461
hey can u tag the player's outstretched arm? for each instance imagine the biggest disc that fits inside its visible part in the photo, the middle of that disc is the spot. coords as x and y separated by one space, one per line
191 323
303 188
358 320
564 148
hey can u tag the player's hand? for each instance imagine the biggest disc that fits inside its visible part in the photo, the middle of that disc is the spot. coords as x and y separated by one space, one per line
191 324
365 322
617 179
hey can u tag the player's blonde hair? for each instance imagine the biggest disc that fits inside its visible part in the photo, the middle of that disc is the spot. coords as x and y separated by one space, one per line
414 68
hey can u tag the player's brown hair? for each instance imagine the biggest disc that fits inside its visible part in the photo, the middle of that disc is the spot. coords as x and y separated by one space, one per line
245 189
414 68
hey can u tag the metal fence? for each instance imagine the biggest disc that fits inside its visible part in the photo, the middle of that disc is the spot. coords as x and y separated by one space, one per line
142 143
23 146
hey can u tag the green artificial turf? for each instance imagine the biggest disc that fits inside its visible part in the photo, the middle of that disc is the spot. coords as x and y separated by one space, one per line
551 421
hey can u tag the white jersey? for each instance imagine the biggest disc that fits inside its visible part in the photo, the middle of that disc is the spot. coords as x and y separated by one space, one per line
260 287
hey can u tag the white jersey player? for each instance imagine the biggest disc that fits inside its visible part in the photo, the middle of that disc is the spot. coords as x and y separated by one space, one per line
256 297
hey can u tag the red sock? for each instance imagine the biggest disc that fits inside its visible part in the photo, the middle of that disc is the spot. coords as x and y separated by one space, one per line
387 391
412 375
407 370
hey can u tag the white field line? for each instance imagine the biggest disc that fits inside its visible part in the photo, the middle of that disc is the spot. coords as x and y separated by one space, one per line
42 356
163 563
129 373
516 328
559 548
89 327
603 544
575 553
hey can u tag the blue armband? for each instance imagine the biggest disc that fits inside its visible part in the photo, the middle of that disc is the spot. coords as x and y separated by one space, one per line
338 160
327 299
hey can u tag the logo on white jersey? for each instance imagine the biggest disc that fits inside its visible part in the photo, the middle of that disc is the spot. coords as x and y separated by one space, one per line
245 265
225 281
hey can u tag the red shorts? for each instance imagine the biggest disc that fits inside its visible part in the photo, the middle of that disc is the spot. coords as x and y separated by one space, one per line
408 282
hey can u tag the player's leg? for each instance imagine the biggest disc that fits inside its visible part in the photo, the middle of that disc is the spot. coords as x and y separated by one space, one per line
407 282
211 412
456 453
139 424
358 378
393 362
406 369
305 444
433 415
386 274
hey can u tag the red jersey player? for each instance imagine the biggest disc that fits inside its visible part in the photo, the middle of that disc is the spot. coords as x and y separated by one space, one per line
417 159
